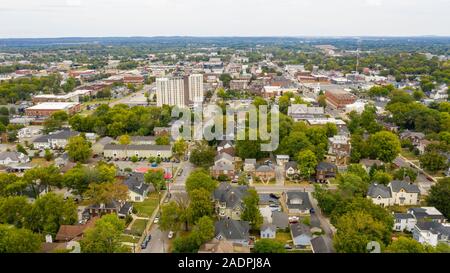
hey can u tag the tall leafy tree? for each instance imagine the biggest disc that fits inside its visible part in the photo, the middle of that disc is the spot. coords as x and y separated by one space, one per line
439 196
15 240
79 149
104 237
251 211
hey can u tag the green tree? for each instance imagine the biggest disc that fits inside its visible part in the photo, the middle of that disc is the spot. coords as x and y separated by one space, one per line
307 163
251 211
79 149
162 140
124 140
268 246
200 179
21 149
104 193
352 185
180 147
355 230
170 217
404 172
202 155
407 245
155 178
439 196
384 146
49 212
203 230
48 155
200 204
382 177
14 240
433 161
55 121
105 236
43 177
14 210
225 78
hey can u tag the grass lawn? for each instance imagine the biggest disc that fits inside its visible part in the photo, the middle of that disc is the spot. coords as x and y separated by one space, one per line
138 227
41 162
408 154
129 239
283 237
146 208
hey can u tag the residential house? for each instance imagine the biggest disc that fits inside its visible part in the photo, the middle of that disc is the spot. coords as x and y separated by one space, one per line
267 199
224 144
67 233
431 233
299 112
250 165
268 231
404 221
55 140
368 164
282 159
137 188
223 246
265 173
322 244
291 170
325 171
235 231
121 208
301 235
223 166
142 151
339 149
13 158
280 220
297 202
229 200
427 214
62 160
414 137
395 193
404 193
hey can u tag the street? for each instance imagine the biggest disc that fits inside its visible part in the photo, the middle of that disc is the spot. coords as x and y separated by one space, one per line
159 241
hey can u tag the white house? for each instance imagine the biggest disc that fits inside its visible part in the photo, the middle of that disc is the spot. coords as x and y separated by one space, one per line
395 193
404 221
12 158
431 233
268 231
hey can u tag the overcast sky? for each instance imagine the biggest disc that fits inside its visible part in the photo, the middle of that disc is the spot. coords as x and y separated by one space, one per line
69 18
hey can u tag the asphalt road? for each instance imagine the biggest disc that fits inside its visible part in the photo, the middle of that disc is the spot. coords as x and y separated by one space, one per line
159 241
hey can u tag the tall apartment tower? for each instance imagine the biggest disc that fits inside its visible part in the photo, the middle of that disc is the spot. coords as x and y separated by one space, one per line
170 91
195 85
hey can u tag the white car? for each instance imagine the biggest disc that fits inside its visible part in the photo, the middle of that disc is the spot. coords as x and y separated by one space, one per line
156 220
170 235
294 219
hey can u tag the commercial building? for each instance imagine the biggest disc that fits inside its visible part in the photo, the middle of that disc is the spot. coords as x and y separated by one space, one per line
339 98
195 87
46 109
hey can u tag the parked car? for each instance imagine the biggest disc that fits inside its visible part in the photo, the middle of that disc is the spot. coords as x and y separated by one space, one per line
312 210
273 195
294 219
170 235
287 246
147 239
156 220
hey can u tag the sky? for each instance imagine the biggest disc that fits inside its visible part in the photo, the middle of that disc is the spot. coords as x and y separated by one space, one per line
106 18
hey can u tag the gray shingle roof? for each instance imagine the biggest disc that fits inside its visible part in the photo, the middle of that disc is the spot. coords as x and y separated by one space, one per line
232 229
403 216
302 197
135 183
230 195
264 168
280 219
434 227
325 166
397 185
376 190
63 134
298 229
291 164
322 244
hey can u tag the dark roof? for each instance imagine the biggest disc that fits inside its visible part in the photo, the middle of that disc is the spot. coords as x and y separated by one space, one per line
126 208
135 183
434 227
272 227
265 198
291 164
322 166
304 202
397 185
298 229
232 229
376 190
142 138
230 195
322 244
264 168
138 147
403 216
63 134
421 213
280 219
225 142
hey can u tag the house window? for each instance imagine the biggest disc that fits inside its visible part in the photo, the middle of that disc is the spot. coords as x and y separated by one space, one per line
137 198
